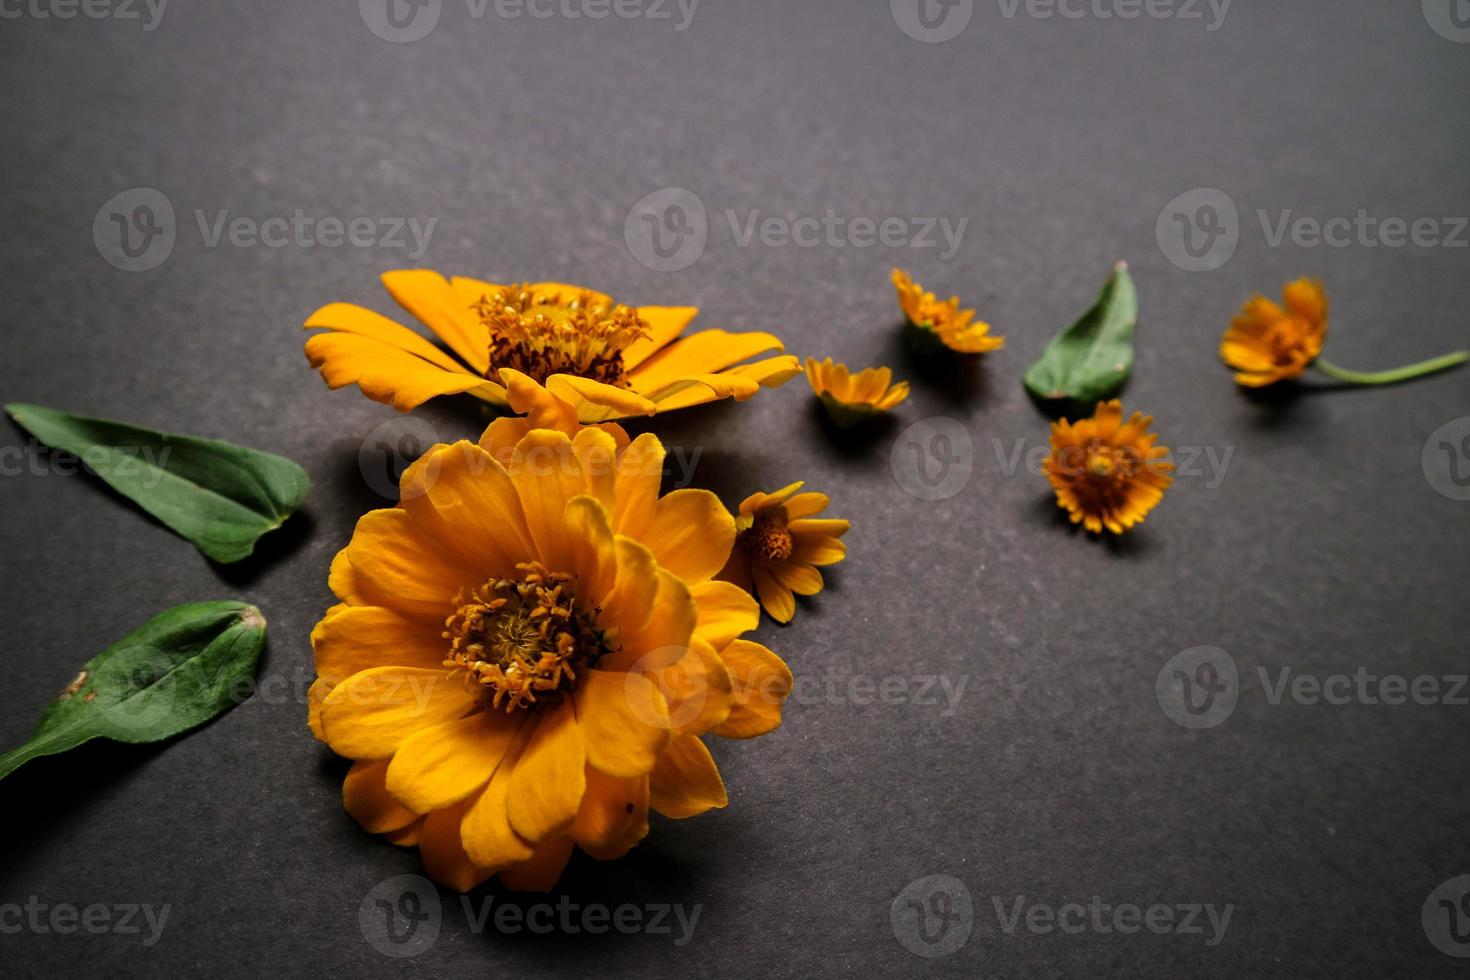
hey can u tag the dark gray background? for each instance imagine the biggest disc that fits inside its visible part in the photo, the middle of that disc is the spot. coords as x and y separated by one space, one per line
1058 777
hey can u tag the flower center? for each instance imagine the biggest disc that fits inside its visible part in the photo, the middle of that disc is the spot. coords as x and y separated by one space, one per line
541 334
769 538
521 639
1100 464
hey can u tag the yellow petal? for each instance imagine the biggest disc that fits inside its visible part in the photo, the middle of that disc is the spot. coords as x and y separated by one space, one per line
427 295
366 798
640 472
805 505
594 553
443 764
624 721
817 549
594 401
724 612
762 682
465 501
396 560
389 374
665 323
349 318
666 635
799 578
443 854
775 597
485 831
547 476
630 604
698 688
613 817
541 871
369 714
356 638
686 782
702 353
691 535
829 526
547 783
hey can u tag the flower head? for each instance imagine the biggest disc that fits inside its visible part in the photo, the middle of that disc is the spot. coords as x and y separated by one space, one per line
605 359
526 654
953 327
1107 473
780 545
1267 343
850 398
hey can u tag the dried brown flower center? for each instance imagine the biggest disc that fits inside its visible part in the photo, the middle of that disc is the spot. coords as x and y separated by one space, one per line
522 640
769 538
541 334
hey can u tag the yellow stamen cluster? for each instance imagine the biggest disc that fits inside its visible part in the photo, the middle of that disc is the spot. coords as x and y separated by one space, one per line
522 638
543 333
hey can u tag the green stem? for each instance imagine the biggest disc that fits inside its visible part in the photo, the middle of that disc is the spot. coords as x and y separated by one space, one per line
1397 374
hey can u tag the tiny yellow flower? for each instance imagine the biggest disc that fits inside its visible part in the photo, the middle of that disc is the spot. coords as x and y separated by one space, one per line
945 322
607 360
849 398
779 546
1107 474
527 655
1267 343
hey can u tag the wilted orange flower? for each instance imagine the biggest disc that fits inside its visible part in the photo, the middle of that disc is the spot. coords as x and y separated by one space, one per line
526 654
1107 473
851 398
780 545
606 360
953 327
1267 343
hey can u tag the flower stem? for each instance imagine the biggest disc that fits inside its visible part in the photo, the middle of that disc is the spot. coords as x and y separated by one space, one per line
1397 374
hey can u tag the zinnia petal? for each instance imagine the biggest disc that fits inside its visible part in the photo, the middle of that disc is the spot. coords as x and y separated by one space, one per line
686 782
547 784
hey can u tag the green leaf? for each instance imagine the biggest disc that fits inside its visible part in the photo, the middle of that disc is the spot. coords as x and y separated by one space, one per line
1091 359
219 496
176 671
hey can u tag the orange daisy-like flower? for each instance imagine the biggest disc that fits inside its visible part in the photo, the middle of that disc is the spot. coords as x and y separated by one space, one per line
1107 473
945 322
526 654
1267 343
780 546
852 398
606 360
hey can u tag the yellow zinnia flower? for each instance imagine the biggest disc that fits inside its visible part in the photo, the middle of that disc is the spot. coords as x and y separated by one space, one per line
607 360
1107 474
526 655
1267 343
780 545
849 398
953 327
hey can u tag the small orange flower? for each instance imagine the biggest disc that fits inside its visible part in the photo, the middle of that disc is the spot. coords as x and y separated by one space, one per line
779 546
1107 474
945 322
851 398
1267 343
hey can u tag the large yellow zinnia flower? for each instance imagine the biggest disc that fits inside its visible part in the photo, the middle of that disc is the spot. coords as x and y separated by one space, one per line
526 654
607 360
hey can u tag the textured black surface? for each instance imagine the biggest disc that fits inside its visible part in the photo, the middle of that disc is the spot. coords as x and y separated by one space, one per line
1057 776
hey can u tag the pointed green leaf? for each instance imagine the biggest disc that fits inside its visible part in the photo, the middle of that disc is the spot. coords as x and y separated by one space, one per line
176 671
219 496
1090 360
